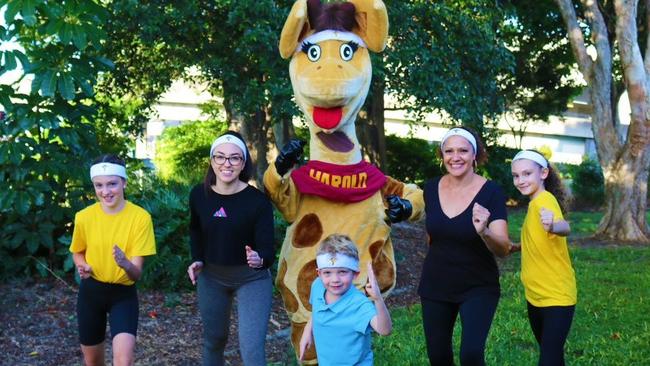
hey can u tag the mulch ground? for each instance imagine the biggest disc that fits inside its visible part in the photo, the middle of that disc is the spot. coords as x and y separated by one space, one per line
38 323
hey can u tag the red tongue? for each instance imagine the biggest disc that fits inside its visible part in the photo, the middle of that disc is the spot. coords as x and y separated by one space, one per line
327 118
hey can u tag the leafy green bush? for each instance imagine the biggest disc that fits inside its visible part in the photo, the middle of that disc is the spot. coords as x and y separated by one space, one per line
48 133
588 185
498 169
167 202
411 160
182 151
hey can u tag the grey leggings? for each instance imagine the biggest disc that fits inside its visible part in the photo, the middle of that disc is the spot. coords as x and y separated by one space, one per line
253 308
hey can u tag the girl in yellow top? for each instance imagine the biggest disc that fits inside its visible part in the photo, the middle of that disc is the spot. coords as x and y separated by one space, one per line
546 271
109 243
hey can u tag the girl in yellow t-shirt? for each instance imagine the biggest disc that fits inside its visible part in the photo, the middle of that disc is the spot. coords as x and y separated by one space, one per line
109 243
546 271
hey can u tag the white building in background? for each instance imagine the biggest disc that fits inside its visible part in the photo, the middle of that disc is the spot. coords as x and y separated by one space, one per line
568 136
179 104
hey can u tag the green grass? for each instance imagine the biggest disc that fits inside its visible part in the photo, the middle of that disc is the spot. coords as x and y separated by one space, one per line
611 325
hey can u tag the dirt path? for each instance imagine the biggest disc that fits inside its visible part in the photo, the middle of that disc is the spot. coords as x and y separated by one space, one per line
39 324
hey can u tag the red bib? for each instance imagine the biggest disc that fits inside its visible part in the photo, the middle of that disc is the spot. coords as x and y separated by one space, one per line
340 183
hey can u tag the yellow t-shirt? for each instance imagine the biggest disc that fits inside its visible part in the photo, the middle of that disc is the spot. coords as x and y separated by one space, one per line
95 232
546 271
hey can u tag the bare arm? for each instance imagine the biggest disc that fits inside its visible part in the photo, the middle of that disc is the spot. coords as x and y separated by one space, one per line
306 340
381 322
494 235
561 228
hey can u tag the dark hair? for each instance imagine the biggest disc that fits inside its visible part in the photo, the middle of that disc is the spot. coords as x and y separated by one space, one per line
334 16
109 158
481 153
246 172
553 183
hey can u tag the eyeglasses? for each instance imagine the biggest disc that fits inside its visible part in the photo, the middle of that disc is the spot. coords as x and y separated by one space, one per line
234 160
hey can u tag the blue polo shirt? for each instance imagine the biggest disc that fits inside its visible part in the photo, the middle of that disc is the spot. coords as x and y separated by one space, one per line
342 329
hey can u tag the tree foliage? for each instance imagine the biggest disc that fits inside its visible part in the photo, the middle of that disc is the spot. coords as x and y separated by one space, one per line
445 56
48 135
542 81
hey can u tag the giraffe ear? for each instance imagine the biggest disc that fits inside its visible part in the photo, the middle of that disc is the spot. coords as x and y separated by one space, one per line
295 29
372 19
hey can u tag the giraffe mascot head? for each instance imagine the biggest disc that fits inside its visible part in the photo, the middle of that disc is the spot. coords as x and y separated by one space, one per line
336 191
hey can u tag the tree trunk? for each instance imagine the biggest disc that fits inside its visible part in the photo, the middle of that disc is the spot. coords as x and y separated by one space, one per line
626 173
283 131
376 116
370 127
254 129
625 161
256 132
626 189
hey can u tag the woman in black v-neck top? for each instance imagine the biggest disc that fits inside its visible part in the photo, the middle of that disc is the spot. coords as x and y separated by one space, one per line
466 224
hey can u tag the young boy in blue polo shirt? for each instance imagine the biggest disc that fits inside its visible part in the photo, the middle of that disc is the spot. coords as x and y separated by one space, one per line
342 316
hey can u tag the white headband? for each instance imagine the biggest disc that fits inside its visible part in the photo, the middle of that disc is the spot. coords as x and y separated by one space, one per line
330 34
327 260
229 139
462 133
107 169
531 155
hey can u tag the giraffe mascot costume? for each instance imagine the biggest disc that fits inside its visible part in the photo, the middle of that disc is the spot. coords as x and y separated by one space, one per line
336 191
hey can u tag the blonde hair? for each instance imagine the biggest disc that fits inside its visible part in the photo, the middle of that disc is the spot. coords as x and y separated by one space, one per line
338 244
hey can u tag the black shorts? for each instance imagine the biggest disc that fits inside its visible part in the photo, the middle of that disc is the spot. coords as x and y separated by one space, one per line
95 300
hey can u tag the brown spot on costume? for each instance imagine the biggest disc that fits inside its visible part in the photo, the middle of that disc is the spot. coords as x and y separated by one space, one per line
308 231
290 301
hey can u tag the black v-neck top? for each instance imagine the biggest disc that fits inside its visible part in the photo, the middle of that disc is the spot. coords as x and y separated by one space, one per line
459 264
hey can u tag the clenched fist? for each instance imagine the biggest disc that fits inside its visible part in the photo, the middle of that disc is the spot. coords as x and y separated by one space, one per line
480 216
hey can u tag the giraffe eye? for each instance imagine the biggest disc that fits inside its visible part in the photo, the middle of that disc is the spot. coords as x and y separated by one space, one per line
347 50
313 52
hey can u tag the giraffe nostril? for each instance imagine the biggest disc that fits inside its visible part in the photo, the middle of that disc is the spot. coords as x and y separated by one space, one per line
319 67
339 66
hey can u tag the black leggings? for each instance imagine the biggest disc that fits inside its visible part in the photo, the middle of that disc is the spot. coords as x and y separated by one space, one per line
551 326
439 317
97 299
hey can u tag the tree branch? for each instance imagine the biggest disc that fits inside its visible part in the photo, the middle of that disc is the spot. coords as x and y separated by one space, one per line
647 41
599 35
576 38
634 74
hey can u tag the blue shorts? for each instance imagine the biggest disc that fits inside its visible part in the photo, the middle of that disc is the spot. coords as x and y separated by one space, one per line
97 299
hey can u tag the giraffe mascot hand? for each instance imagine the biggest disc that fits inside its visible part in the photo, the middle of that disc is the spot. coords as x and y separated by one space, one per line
336 191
